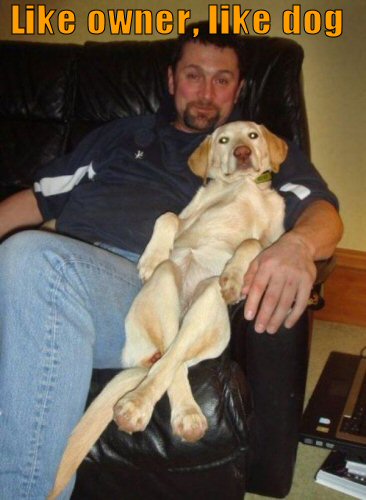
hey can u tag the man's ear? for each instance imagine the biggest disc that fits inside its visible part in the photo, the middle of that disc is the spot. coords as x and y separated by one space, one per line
171 86
199 160
277 148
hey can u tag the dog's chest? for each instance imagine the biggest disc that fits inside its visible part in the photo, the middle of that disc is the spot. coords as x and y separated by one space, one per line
231 213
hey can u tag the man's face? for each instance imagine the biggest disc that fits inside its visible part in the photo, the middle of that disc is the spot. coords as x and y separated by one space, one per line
205 86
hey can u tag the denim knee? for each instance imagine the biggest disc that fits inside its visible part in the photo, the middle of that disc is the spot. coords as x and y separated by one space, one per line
23 257
41 273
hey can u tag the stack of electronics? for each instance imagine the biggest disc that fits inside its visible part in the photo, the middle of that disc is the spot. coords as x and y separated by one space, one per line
335 418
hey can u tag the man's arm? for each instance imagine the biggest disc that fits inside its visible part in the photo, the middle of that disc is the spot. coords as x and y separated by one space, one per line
278 282
19 211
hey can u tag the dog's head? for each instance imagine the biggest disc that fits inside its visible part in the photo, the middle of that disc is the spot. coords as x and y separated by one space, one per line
238 149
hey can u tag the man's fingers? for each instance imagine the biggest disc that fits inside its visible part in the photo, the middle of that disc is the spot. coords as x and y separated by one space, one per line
277 300
249 277
281 301
277 286
280 313
299 306
255 292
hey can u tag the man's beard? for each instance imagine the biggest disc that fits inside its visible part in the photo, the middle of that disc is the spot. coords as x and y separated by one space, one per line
200 120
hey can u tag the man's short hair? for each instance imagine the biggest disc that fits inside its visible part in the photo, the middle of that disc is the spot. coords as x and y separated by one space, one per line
205 37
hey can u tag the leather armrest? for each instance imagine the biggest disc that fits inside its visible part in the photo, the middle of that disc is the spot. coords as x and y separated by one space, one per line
276 369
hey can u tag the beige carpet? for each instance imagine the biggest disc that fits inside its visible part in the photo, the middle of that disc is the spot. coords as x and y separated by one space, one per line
327 337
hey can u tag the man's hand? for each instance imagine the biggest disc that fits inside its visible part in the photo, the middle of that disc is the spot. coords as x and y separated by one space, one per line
278 284
279 280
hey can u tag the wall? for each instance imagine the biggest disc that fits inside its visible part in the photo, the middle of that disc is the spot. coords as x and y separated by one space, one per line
334 78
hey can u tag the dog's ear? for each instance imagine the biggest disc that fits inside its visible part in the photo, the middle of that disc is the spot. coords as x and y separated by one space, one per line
277 148
199 160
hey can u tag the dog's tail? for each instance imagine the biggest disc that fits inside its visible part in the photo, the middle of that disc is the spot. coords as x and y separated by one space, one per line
94 421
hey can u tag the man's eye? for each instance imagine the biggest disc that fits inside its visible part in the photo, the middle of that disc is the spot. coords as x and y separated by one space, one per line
222 81
192 76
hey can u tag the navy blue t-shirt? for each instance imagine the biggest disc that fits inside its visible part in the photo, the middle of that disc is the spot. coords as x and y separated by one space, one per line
123 175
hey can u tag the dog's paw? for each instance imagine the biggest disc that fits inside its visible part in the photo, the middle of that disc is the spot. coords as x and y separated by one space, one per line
132 413
148 263
189 424
231 283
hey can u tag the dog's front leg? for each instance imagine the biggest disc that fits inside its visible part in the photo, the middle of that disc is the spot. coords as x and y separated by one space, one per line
231 279
160 245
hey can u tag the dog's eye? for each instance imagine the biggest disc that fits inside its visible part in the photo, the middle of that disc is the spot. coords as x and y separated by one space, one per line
223 140
253 135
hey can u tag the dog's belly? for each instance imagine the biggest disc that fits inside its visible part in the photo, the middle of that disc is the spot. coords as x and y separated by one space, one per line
206 260
197 265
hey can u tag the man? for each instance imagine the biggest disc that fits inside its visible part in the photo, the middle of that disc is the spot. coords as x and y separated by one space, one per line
63 299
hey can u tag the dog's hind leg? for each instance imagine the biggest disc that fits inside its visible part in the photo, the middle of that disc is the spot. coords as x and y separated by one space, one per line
151 326
187 419
204 334
95 420
153 319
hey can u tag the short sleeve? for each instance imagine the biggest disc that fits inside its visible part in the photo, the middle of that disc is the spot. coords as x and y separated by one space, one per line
300 184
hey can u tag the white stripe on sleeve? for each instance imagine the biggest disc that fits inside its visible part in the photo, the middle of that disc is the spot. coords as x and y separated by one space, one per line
50 186
300 191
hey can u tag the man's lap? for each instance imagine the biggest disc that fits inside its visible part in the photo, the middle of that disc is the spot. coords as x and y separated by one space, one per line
106 282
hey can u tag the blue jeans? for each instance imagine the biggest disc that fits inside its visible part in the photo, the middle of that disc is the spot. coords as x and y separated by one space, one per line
62 310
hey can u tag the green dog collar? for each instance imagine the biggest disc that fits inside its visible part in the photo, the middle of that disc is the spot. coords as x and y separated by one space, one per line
265 177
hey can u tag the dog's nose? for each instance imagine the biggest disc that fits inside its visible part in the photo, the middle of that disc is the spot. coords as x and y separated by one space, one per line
242 152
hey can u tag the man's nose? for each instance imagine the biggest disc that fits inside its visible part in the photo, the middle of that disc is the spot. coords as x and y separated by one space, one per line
206 89
242 152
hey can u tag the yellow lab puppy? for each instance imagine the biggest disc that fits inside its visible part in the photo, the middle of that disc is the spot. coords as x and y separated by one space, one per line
192 267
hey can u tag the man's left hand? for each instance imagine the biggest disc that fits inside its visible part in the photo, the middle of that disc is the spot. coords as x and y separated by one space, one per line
278 284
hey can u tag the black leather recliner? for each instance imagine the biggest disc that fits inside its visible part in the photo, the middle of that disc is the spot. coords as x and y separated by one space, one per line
50 96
